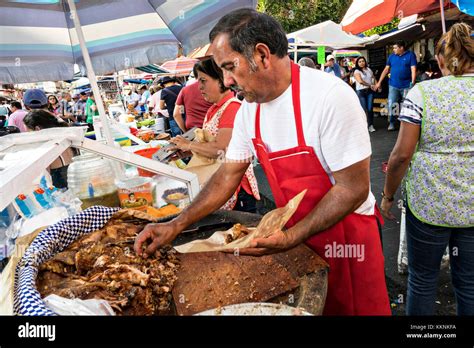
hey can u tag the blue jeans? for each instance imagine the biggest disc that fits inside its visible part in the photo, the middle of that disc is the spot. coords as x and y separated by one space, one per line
395 99
366 98
174 128
426 245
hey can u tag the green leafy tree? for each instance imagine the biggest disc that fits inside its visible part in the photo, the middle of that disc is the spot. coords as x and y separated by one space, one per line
299 14
383 28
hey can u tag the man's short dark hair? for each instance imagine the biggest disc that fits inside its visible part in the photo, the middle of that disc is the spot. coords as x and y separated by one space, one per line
400 43
16 104
84 94
246 28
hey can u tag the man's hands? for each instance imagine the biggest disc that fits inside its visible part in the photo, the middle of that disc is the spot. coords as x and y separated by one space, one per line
159 235
275 243
375 88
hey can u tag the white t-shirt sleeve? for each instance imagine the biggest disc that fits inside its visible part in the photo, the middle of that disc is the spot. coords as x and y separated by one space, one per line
240 147
344 137
412 107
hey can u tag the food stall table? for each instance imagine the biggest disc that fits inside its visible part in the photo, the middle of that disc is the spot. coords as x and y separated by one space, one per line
212 280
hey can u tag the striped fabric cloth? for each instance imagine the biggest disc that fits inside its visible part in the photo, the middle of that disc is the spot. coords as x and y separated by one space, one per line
38 41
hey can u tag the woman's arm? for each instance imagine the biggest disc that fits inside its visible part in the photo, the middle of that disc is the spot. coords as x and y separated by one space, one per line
178 116
398 163
211 149
162 104
359 79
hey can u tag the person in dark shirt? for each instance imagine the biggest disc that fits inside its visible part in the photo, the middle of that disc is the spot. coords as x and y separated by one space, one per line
402 68
169 95
65 108
191 102
80 107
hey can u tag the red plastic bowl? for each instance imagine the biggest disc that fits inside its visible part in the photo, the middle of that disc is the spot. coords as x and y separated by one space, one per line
148 153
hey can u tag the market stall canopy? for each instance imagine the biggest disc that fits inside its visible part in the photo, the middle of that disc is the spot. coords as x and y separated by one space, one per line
138 81
466 6
346 53
329 34
201 52
38 41
366 14
426 27
180 66
153 69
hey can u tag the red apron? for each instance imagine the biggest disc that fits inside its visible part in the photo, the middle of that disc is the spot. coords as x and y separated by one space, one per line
356 285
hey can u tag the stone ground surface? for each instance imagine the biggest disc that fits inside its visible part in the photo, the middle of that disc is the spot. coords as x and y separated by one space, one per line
382 144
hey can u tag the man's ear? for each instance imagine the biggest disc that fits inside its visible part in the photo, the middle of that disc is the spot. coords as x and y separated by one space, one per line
262 55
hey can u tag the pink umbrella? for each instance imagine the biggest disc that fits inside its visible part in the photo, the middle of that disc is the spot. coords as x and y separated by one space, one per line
180 66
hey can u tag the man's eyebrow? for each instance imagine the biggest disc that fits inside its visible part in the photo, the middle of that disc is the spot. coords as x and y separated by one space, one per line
226 63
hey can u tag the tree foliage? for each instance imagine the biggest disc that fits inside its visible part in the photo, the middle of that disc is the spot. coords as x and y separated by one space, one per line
383 28
299 14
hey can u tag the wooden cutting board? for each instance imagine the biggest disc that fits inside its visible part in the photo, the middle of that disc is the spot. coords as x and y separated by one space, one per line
214 279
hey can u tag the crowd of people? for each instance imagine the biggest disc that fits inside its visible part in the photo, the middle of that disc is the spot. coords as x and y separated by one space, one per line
404 71
78 109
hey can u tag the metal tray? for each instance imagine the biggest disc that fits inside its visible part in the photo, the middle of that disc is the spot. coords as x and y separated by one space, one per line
256 309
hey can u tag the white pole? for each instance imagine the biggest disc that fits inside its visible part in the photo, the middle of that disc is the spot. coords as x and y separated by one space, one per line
443 23
90 73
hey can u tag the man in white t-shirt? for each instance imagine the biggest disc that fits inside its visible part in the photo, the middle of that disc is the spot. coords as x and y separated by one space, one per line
308 131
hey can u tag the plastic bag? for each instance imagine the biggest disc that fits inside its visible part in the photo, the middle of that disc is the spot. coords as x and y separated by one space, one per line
65 306
402 248
8 219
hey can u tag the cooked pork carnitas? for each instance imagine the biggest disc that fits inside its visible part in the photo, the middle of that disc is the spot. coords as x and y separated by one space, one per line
238 231
103 265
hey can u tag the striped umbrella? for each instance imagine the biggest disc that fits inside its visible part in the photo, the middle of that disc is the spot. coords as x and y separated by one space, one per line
346 53
41 40
180 66
38 40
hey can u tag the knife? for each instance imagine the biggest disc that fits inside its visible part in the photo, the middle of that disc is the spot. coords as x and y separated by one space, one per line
225 225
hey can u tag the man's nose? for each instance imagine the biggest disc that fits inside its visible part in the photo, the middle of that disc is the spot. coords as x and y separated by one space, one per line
228 79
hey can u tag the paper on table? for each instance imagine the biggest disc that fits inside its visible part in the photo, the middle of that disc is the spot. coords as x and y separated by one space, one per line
271 222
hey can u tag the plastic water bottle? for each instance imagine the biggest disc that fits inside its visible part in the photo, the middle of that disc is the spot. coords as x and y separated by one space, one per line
26 205
44 201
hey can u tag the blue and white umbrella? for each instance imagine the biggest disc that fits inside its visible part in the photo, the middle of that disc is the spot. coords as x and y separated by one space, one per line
39 42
